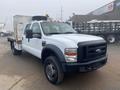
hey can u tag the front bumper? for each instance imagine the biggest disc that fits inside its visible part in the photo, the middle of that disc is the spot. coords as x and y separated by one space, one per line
84 67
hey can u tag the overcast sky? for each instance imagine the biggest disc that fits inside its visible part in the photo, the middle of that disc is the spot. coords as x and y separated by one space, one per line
8 8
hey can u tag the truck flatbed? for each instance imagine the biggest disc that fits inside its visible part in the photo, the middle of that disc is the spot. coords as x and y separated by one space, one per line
110 31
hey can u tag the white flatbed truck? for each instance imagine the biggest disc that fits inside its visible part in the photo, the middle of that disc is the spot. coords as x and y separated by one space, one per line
60 48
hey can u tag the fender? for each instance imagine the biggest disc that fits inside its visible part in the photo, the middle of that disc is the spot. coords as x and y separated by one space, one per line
56 51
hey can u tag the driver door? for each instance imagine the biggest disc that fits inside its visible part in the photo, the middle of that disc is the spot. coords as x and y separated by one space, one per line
36 42
25 41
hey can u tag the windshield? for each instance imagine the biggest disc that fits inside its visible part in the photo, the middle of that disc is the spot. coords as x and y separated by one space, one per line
56 28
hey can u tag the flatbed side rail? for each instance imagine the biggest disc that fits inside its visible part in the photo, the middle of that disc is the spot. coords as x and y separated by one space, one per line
101 27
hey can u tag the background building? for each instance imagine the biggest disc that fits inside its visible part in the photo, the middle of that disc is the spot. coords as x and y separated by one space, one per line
110 11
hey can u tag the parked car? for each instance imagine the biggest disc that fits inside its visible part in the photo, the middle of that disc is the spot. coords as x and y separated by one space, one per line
3 34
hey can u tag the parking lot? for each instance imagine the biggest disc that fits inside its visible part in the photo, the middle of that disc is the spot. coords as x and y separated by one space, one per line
25 72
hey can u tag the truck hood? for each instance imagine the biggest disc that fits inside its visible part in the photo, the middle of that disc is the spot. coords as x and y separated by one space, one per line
75 37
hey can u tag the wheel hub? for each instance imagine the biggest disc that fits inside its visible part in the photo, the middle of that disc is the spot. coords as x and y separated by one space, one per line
51 71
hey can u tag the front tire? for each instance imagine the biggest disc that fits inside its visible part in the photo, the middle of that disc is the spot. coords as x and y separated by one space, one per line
53 70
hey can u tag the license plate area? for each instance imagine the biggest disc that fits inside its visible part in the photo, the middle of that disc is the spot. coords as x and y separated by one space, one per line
88 68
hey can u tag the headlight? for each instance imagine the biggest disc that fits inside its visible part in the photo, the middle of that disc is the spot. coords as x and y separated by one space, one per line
71 54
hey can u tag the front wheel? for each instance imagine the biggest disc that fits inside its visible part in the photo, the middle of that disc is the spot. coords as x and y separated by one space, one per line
53 70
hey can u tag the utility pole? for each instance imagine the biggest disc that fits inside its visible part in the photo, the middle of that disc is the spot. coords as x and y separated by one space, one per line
61 10
61 13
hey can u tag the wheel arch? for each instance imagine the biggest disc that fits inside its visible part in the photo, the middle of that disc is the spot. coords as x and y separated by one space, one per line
49 50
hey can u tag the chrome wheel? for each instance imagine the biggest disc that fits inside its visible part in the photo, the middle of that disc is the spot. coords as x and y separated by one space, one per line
51 72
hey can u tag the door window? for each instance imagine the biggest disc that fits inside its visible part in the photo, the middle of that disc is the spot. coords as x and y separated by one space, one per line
27 28
36 28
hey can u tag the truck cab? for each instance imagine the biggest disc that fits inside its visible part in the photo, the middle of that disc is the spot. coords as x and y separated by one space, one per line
61 49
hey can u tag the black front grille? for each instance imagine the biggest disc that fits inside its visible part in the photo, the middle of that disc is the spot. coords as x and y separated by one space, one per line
91 51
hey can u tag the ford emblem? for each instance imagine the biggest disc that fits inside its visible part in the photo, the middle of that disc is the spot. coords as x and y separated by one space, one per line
98 50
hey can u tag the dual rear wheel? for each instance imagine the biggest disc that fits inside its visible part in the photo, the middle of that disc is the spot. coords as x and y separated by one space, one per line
14 50
111 39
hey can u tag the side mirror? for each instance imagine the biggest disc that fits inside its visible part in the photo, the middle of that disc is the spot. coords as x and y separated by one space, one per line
29 34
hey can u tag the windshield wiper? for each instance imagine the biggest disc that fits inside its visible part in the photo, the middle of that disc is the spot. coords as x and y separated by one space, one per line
54 33
61 33
69 32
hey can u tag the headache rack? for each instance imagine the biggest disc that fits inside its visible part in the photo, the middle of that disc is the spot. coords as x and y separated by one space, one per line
19 22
